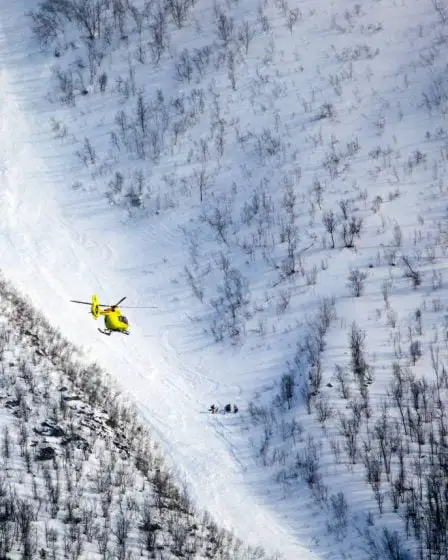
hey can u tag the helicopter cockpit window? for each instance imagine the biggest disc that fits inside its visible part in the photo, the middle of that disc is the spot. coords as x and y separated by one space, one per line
123 319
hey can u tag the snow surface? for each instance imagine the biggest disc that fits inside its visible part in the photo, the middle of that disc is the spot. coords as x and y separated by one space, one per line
60 243
56 247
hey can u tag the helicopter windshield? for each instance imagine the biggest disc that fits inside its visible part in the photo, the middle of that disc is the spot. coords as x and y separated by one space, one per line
123 319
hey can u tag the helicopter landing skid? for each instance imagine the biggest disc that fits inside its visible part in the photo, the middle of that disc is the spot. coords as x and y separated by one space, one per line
108 333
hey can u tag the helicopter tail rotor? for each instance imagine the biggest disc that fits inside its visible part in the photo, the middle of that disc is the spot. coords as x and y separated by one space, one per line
95 307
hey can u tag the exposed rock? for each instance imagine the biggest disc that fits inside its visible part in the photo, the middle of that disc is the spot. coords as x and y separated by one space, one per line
50 429
46 453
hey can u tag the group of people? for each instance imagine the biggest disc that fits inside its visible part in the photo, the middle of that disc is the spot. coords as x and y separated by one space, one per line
228 408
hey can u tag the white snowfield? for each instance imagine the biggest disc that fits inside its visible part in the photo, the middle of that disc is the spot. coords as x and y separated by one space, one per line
55 248
344 100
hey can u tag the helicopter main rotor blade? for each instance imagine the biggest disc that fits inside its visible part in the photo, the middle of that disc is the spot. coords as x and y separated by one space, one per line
139 307
118 302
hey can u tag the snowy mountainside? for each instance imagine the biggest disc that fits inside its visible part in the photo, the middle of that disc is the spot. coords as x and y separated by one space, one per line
271 177
56 247
80 475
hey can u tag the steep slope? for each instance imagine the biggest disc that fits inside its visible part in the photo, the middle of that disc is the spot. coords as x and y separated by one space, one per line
270 175
56 247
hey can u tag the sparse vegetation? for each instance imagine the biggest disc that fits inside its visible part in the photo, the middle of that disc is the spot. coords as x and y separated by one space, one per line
100 485
286 207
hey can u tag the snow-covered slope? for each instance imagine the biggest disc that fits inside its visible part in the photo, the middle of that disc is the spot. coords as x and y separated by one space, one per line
270 120
56 247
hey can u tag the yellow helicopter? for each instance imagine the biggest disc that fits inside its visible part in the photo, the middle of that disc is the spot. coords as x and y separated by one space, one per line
114 320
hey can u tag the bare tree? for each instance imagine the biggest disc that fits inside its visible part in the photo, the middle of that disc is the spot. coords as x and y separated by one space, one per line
159 35
339 512
287 388
330 222
245 35
224 27
184 66
386 287
351 229
356 281
349 428
411 273
121 532
148 525
359 365
342 378
232 302
415 350
179 11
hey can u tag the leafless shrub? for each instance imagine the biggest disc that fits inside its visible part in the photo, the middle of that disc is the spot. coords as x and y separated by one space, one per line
263 20
88 153
411 273
195 284
315 376
283 301
441 10
390 255
159 35
25 516
102 81
338 511
201 59
415 351
268 145
225 27
311 276
287 389
47 23
179 11
392 318
65 86
437 94
398 236
293 17
326 315
245 35
351 230
137 189
6 443
219 219
231 304
349 429
386 287
59 130
389 546
359 365
308 462
342 378
415 159
121 530
436 280
231 69
326 111
376 204
324 409
184 66
116 184
330 222
356 282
